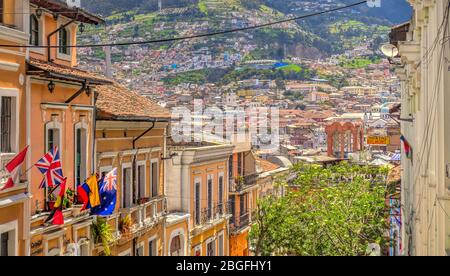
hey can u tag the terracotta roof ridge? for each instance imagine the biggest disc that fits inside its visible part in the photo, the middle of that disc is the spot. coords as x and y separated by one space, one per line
32 59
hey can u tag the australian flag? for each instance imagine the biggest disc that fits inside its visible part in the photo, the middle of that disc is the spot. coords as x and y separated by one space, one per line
108 195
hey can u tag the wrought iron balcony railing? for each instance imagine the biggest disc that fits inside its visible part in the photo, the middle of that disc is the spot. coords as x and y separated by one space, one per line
208 215
240 222
239 184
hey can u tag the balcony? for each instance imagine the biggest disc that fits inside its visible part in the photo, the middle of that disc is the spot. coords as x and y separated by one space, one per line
137 219
5 158
241 223
240 185
210 217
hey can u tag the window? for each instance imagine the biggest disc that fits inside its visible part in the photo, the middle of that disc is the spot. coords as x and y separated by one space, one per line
80 155
198 250
1 13
34 30
210 248
230 167
242 201
220 245
197 203
84 249
8 239
126 187
140 250
233 209
240 172
175 246
210 207
63 41
53 134
220 195
4 244
141 180
155 179
6 124
152 248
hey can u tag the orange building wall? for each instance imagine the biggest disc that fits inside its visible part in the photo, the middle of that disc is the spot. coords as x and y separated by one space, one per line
12 213
68 118
49 25
239 244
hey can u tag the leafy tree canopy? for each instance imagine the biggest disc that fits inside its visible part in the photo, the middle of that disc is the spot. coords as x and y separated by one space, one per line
334 211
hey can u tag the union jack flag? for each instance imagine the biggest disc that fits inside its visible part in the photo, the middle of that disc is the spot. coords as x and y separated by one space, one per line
50 167
110 181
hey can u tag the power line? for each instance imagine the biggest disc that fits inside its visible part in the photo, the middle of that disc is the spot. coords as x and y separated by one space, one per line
193 36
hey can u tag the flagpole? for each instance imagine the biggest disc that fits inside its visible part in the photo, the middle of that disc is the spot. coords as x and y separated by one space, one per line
25 172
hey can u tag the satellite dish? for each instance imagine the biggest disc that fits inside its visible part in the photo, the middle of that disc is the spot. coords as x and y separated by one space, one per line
389 50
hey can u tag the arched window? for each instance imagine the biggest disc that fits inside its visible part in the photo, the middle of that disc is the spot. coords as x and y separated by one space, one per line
63 41
175 246
34 30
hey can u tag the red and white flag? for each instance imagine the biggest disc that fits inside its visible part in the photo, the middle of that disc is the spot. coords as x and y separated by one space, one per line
13 167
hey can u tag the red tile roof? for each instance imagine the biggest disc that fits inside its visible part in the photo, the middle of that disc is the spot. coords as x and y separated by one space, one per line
61 7
267 166
118 103
53 70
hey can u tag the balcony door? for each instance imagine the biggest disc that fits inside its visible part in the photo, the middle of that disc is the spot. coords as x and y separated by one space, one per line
7 124
127 186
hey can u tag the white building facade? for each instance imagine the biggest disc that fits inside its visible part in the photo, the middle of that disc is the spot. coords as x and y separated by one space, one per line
424 72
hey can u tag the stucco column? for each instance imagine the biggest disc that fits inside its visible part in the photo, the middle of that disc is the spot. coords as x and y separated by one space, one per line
330 143
355 140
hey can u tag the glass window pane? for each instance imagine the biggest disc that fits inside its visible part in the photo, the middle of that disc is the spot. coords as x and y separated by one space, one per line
6 124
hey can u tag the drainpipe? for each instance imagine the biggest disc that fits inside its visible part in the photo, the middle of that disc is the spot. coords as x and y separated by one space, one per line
56 31
94 132
135 199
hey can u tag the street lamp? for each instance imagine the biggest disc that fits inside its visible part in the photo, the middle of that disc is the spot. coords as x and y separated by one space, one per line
51 86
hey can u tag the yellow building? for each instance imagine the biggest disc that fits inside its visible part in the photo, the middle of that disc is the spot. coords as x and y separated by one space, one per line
198 187
131 135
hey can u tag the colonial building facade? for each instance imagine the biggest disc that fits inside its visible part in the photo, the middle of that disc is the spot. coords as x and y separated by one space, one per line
423 71
198 186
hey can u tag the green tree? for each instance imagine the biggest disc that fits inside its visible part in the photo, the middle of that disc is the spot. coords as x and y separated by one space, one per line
335 211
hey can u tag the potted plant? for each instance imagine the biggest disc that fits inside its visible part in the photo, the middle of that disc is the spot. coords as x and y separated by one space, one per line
125 225
51 200
102 234
239 180
68 199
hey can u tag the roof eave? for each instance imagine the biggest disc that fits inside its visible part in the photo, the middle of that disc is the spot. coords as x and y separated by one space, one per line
132 118
79 14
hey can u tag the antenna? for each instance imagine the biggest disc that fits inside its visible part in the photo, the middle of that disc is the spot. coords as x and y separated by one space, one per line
389 50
